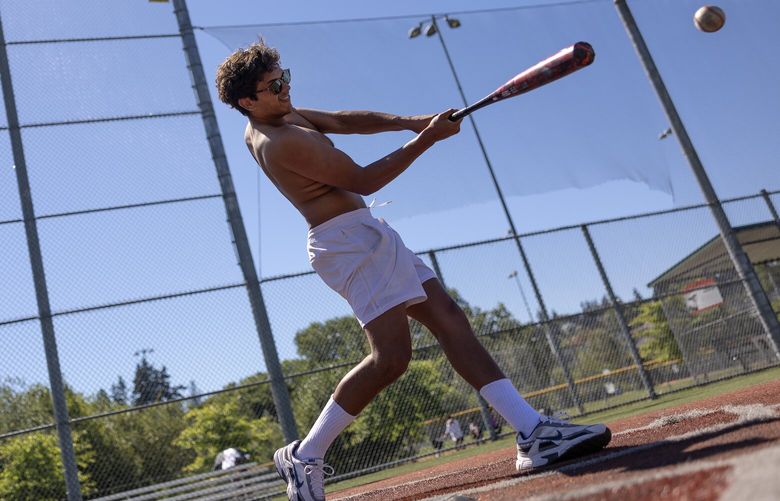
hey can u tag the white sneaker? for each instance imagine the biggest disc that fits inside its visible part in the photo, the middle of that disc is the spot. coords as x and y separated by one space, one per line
555 440
305 478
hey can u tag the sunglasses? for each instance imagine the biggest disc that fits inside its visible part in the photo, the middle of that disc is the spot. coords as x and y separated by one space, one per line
275 85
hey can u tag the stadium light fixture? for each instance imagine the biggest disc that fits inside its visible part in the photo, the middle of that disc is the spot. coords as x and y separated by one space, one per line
431 28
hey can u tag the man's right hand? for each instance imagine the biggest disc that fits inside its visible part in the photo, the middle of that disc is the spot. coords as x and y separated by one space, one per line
441 127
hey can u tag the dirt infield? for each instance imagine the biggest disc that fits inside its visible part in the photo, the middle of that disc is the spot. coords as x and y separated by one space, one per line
726 447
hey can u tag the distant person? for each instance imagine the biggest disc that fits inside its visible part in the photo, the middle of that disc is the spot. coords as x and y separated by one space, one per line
229 458
366 262
494 424
476 432
218 461
437 442
454 430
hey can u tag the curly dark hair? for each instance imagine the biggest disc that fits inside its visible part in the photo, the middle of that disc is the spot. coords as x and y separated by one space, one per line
238 75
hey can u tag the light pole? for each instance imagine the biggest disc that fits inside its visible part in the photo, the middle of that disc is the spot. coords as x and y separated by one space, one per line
522 294
433 29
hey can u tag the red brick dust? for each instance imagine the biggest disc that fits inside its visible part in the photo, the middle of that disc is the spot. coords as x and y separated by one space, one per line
687 452
702 485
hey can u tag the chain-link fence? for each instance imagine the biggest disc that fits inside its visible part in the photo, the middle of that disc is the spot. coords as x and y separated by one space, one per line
130 225
676 302
114 189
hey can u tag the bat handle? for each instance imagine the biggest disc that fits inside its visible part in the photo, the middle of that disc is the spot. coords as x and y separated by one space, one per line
458 115
468 110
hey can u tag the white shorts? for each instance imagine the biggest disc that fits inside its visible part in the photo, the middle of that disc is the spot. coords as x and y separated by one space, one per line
367 263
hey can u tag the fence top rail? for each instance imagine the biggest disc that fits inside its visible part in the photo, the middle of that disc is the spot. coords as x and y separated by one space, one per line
122 118
402 16
554 230
92 39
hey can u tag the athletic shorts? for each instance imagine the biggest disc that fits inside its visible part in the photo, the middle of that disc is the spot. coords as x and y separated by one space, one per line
367 263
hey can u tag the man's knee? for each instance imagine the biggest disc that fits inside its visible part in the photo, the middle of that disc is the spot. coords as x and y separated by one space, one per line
393 364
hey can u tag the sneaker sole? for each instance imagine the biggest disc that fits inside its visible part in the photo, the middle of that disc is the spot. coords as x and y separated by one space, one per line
281 470
279 463
589 446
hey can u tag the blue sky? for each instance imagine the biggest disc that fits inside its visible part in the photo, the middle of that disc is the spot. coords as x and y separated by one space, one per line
581 149
597 121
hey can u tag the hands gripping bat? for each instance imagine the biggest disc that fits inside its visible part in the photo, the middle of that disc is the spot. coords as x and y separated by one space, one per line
563 63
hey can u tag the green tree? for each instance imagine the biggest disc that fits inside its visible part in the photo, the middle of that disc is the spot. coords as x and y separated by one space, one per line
23 406
151 384
119 391
214 427
654 336
31 468
149 438
337 339
115 467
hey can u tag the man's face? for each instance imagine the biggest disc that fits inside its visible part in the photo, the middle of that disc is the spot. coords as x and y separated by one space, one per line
273 91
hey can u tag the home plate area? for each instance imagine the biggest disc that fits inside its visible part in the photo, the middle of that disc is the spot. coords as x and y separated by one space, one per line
722 448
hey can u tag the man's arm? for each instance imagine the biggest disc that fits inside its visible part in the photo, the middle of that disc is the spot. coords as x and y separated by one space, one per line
297 151
363 122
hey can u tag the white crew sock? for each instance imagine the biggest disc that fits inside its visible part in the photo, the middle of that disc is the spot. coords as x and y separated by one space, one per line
332 420
505 399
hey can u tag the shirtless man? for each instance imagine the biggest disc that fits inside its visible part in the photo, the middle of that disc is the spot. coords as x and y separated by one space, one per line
365 261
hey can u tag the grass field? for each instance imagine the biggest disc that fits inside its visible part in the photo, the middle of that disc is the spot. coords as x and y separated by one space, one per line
667 400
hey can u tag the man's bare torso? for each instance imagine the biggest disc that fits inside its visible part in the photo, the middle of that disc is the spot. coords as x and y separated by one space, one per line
317 202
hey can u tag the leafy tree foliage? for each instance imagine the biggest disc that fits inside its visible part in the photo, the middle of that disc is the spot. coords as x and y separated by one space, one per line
214 427
24 407
32 469
151 384
119 392
337 339
658 343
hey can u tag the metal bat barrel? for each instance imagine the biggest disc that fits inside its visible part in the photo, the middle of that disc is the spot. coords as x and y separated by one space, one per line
559 65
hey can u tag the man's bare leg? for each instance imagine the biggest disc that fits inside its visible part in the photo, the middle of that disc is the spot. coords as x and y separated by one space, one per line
447 322
391 350
449 325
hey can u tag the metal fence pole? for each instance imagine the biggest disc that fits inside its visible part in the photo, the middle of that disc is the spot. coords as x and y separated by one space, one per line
279 391
484 409
771 206
514 275
624 329
548 330
742 264
57 389
551 341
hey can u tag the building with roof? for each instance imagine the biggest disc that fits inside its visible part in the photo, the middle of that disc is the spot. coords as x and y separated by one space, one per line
708 309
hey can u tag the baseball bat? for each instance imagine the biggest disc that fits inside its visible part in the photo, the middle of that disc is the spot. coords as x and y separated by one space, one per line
559 65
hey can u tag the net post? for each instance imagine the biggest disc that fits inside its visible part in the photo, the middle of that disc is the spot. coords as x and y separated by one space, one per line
621 318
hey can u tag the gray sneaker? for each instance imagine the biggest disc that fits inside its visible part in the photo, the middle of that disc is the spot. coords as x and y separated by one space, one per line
555 440
305 478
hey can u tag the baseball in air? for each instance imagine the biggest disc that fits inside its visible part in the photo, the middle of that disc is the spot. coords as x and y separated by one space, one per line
709 18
